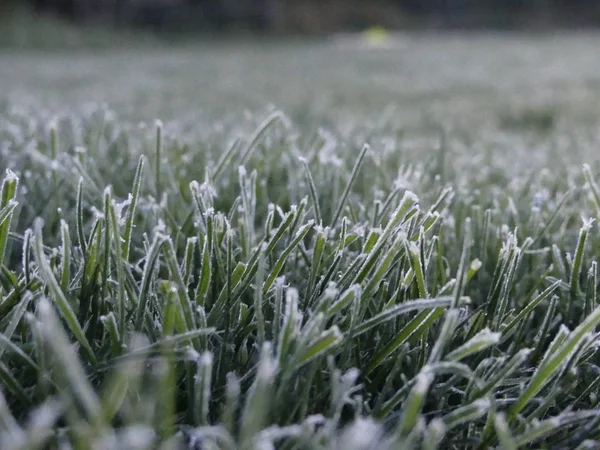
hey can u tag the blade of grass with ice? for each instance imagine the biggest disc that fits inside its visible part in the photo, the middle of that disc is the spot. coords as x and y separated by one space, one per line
8 203
59 297
550 366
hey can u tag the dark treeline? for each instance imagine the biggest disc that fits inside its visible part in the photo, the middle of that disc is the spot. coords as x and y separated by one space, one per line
324 15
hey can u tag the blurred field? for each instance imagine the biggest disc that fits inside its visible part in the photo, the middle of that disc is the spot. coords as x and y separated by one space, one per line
447 78
510 92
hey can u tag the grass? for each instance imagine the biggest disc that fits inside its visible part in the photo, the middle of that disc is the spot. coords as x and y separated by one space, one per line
403 254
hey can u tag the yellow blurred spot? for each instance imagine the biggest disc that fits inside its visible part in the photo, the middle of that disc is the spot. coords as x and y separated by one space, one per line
376 36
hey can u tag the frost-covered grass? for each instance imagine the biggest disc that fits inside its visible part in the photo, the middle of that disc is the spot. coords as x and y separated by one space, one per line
403 254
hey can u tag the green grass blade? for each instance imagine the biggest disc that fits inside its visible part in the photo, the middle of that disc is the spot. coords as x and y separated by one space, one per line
549 367
151 259
312 188
68 363
131 210
8 203
322 345
348 188
59 297
202 389
278 267
404 308
259 134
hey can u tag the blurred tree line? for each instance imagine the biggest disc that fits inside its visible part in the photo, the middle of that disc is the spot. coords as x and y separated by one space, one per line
317 16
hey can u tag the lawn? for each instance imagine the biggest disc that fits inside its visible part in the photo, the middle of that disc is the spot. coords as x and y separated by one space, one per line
301 244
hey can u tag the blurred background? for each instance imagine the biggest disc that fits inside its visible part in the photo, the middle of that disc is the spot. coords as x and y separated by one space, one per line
312 16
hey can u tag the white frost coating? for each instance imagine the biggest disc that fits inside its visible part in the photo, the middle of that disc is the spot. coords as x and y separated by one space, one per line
350 376
568 256
291 301
206 359
587 224
437 426
230 233
208 189
10 176
45 416
308 224
487 335
314 422
279 282
283 215
263 443
98 215
161 229
476 264
328 156
158 123
410 195
319 229
242 171
302 159
194 187
413 248
331 290
191 354
291 310
435 215
53 124
482 404
233 385
137 437
44 309
267 367
361 435
424 380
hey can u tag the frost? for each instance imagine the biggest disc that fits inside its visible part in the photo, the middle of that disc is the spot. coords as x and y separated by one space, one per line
413 248
98 215
476 264
267 367
349 378
361 435
587 224
195 187
206 359
331 291
137 437
424 380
